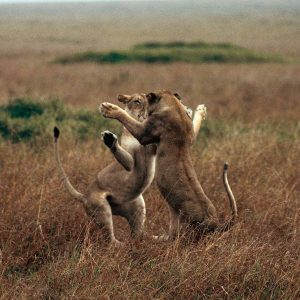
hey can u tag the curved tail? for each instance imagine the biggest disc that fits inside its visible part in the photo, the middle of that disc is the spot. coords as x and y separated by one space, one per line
69 186
232 201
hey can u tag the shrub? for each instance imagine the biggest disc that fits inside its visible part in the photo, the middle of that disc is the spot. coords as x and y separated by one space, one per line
23 108
23 120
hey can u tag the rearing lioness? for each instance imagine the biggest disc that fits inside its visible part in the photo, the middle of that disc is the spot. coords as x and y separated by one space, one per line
171 129
118 188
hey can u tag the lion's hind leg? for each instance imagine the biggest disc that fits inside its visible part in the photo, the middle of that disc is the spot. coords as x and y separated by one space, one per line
135 213
174 227
98 208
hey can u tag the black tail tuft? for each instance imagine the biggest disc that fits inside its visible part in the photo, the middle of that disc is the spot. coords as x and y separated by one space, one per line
225 166
56 133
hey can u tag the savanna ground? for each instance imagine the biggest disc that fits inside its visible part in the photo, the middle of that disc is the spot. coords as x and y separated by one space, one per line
51 250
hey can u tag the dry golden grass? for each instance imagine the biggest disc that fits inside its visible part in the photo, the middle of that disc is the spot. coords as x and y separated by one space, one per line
238 91
51 250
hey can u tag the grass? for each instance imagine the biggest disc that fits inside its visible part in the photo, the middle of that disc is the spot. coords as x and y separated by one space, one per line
27 120
177 51
50 248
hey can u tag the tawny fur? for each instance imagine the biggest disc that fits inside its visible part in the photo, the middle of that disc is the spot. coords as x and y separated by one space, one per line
118 188
169 126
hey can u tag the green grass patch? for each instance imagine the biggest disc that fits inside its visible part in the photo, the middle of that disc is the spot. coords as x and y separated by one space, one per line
27 120
177 51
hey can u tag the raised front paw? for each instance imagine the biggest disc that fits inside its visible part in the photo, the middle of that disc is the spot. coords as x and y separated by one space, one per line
109 138
109 110
116 244
201 110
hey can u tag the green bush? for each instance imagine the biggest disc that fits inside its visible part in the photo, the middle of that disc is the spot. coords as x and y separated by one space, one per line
23 108
25 120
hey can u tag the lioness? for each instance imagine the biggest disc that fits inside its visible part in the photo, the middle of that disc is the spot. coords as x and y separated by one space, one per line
118 188
171 129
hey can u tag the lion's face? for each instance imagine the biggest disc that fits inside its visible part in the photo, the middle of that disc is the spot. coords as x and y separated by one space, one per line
175 114
135 105
165 98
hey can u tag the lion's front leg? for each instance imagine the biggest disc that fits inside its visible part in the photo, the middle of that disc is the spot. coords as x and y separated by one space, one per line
199 115
121 155
140 130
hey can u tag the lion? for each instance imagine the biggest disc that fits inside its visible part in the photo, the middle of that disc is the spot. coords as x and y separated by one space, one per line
171 129
118 188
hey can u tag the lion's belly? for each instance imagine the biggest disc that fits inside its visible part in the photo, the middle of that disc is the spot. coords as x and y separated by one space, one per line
130 143
150 172
140 177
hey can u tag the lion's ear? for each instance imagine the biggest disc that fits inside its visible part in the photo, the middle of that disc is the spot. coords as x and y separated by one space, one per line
177 96
152 98
124 98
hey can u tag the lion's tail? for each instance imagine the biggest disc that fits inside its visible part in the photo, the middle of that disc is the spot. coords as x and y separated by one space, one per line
69 186
232 202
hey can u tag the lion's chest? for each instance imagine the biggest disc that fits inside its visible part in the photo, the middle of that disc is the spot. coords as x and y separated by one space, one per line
130 143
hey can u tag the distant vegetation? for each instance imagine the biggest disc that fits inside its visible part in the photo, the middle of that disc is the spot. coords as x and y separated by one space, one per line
24 120
177 51
28 120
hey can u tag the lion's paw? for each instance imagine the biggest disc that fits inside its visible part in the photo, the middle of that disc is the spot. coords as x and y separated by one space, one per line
109 110
161 238
201 110
116 244
109 138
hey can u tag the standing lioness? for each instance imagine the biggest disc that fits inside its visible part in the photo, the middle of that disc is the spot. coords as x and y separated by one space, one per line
171 129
